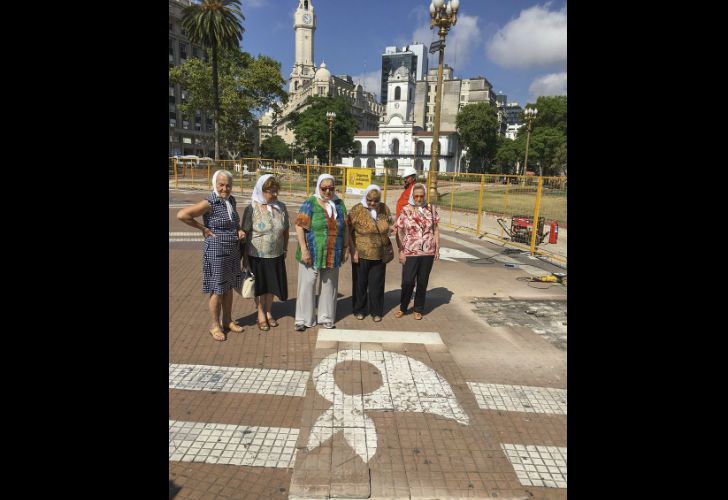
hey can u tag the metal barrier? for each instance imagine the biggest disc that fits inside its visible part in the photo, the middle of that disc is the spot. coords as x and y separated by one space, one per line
486 205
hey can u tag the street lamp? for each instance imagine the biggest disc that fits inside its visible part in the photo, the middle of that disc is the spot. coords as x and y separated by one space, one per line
330 116
530 115
444 17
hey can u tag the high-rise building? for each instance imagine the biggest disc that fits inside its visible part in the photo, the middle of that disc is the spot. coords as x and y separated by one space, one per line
187 134
412 57
514 113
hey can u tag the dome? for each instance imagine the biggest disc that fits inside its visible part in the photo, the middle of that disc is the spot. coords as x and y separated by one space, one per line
322 74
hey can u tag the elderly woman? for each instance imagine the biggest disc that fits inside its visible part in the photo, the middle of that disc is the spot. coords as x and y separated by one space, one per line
419 247
369 229
323 242
221 258
265 221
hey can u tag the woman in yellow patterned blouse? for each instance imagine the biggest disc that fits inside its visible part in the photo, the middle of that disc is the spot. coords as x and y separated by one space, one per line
369 222
266 220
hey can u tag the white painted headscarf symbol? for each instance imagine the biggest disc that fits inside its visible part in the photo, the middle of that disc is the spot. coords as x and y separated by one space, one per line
408 385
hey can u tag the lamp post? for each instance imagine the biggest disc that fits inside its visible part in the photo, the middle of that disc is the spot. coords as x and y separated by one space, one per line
444 17
530 115
330 116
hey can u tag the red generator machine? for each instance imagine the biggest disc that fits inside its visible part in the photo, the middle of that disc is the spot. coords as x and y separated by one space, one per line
522 229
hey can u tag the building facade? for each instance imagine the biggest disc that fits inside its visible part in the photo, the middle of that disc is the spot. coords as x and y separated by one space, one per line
411 57
398 143
308 81
187 134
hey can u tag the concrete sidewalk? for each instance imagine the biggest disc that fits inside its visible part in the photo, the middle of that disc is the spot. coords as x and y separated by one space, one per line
380 410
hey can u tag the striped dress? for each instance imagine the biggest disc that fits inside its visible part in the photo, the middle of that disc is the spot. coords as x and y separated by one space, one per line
324 234
221 259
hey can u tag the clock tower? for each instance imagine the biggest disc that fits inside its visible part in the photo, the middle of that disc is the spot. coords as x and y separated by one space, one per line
304 26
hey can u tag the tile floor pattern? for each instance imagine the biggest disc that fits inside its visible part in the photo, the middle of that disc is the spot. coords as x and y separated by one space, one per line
538 465
242 380
519 398
232 444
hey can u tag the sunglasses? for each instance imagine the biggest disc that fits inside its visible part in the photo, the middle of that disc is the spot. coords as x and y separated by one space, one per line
327 188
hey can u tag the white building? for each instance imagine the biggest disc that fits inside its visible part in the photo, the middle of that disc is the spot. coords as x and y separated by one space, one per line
398 139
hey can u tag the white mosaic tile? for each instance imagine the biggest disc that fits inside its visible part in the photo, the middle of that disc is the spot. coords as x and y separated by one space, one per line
519 398
232 444
242 380
529 463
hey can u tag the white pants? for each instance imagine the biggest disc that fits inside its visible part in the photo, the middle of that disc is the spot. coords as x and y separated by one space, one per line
306 297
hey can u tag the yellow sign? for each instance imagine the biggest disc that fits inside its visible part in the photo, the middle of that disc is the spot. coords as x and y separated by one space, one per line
357 180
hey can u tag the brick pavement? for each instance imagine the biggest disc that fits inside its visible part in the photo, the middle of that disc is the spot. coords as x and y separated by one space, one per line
418 454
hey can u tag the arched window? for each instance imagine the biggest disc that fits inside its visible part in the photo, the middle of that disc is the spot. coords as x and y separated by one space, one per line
397 93
420 148
371 148
370 162
395 146
357 162
419 165
410 94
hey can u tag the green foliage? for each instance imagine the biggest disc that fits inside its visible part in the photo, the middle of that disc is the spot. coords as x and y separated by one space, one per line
477 125
275 147
547 146
312 128
508 154
551 113
247 85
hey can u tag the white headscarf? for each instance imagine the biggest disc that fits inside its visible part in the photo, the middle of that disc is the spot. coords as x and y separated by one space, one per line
419 207
226 200
370 187
331 207
258 194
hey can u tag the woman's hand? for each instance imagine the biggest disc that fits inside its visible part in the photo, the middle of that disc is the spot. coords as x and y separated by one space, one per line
344 256
355 257
437 253
206 232
402 257
241 234
306 257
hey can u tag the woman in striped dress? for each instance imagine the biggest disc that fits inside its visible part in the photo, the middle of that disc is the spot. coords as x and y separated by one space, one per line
221 258
323 242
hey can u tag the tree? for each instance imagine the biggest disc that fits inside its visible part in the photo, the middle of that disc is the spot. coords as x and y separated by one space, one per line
551 113
508 155
275 147
477 125
312 129
248 85
547 146
216 25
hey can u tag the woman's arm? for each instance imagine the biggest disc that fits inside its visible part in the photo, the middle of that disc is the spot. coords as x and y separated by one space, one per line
437 242
305 254
188 214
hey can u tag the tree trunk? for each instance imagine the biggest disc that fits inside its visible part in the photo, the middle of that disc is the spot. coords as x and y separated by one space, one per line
216 102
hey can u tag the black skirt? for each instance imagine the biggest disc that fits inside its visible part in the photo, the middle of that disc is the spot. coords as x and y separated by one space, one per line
270 276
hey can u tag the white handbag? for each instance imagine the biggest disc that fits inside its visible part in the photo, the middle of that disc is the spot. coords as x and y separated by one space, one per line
248 291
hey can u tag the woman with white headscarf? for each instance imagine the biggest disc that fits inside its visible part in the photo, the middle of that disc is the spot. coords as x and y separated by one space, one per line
369 223
419 246
221 258
265 221
323 242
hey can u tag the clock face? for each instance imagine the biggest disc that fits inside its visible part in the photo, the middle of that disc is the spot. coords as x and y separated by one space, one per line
306 18
396 105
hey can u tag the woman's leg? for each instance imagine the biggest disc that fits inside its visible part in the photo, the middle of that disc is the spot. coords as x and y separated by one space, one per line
327 299
409 273
214 306
306 299
360 306
423 276
227 308
377 270
260 301
268 307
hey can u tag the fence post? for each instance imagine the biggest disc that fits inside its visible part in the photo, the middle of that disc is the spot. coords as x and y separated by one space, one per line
192 168
505 204
480 203
535 215
343 169
176 180
452 196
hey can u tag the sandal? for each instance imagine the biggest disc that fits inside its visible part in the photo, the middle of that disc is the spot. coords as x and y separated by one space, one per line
418 315
272 322
263 326
377 319
359 316
234 327
398 313
218 334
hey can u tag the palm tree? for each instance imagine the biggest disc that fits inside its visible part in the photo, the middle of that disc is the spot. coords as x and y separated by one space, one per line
216 25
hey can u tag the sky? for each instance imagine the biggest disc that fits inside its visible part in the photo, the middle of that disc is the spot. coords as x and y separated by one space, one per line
518 45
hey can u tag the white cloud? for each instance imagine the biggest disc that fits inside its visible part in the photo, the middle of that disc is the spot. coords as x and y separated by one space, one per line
372 81
548 85
536 38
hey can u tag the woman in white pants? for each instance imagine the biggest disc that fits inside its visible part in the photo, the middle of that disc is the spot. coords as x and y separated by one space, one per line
323 243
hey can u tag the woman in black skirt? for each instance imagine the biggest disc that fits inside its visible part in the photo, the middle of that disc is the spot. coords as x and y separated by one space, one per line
265 222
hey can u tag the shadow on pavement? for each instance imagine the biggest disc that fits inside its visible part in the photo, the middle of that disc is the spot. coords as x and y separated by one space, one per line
173 490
